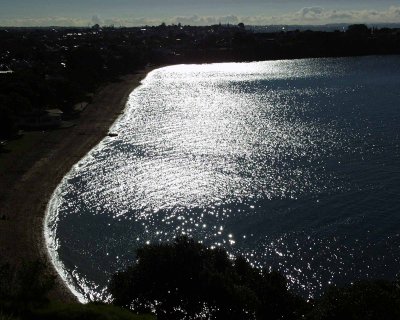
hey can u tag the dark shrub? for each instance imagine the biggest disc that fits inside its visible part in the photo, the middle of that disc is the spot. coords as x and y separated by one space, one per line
186 279
366 300
85 312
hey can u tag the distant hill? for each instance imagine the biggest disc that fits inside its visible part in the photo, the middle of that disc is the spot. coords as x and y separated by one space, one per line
325 27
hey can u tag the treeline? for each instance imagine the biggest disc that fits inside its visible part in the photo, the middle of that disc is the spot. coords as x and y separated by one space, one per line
187 280
54 71
358 40
218 43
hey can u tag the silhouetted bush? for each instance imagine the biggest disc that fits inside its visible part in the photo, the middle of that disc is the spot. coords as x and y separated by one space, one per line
23 295
358 29
8 127
185 279
91 311
365 300
24 288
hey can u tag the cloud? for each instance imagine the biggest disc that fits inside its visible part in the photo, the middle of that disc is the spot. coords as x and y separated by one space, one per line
97 20
45 21
204 20
311 13
307 15
319 15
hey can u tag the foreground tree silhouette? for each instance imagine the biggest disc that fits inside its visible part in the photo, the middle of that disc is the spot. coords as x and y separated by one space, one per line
363 300
24 288
185 280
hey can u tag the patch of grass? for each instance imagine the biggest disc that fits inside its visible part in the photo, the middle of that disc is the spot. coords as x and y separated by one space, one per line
18 148
7 317
91 311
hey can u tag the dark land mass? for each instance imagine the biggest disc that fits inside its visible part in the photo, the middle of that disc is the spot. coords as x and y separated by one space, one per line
65 86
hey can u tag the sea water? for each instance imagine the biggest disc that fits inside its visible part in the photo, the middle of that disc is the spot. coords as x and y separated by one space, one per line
294 165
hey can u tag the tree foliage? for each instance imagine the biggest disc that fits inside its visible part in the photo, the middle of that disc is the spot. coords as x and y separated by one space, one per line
25 287
186 280
358 29
364 300
90 311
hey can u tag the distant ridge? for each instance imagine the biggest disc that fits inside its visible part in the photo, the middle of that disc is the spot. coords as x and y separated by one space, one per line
325 27
255 28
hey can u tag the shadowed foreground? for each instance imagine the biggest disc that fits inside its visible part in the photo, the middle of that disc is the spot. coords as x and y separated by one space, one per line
186 280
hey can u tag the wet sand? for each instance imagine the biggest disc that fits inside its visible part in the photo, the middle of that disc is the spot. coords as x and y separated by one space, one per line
29 177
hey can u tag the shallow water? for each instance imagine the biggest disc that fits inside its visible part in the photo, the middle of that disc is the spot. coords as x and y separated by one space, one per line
293 164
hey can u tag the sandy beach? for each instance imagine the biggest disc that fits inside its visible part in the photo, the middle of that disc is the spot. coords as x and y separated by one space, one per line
29 177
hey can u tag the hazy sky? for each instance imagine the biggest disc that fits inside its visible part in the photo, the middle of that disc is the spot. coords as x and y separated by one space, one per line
195 12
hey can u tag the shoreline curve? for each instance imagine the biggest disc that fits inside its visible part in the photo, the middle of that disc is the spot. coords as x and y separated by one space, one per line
28 182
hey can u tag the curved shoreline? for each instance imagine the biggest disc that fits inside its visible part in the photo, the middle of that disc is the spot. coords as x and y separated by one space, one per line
29 180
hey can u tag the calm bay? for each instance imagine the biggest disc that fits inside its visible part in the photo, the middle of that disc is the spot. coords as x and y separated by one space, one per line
293 164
